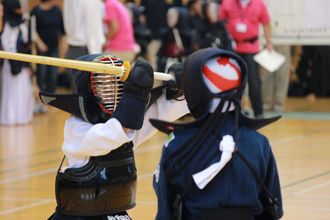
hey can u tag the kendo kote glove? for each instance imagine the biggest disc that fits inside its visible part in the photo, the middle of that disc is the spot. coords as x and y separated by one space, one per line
132 105
174 87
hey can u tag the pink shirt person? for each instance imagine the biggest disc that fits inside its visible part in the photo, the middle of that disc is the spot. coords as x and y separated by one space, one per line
123 38
243 23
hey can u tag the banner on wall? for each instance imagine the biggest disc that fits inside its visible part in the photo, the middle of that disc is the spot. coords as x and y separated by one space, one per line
300 21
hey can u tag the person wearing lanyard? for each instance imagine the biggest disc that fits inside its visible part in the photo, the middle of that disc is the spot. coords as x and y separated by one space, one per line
243 18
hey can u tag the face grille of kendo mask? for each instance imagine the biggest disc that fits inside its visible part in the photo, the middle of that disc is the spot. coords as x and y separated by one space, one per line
108 88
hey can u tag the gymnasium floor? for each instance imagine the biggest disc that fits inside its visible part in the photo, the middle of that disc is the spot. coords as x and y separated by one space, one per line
30 156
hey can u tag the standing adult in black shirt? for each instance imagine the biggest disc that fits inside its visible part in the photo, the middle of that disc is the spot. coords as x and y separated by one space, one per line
49 28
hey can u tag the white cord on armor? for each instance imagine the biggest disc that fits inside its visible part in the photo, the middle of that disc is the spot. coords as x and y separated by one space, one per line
227 146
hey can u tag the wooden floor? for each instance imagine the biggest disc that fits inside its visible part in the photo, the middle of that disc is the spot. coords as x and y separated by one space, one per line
31 154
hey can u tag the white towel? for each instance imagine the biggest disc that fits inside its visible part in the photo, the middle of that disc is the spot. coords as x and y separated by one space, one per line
227 146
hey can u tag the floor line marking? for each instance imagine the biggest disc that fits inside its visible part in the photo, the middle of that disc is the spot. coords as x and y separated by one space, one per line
33 174
304 180
313 188
25 199
20 208
309 197
40 153
325 209
29 166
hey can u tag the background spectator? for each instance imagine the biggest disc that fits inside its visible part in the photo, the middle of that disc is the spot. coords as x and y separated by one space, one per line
142 33
312 73
155 14
322 71
176 38
83 27
196 22
208 30
49 27
17 96
275 85
120 36
243 18
1 16
1 27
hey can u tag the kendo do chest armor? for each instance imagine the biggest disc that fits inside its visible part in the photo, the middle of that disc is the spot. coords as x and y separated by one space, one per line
105 185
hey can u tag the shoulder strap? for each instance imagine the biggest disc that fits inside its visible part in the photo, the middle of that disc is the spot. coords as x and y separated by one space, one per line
61 164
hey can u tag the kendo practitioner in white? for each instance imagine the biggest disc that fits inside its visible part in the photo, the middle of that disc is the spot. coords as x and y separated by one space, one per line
99 181
218 166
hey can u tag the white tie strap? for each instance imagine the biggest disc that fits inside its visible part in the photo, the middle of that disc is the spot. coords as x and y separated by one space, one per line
227 146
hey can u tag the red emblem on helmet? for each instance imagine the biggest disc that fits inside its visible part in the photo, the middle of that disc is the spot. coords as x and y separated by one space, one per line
221 74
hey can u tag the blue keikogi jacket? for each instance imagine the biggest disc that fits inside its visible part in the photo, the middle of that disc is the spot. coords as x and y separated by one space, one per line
234 186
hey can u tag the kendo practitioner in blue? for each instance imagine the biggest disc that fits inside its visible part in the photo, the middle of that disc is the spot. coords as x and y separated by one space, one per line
98 180
218 166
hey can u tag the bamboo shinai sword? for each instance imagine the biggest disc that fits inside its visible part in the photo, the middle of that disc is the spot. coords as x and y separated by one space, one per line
97 67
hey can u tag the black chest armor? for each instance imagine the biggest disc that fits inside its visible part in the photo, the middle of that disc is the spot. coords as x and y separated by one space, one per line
105 185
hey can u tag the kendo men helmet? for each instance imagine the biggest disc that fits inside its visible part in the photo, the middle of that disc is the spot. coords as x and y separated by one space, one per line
213 82
223 70
95 95
229 72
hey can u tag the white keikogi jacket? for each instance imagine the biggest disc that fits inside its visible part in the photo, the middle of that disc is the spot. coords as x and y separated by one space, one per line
82 139
83 24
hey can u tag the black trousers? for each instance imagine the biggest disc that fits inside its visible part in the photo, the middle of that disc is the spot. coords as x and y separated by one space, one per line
59 216
254 83
73 53
47 75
